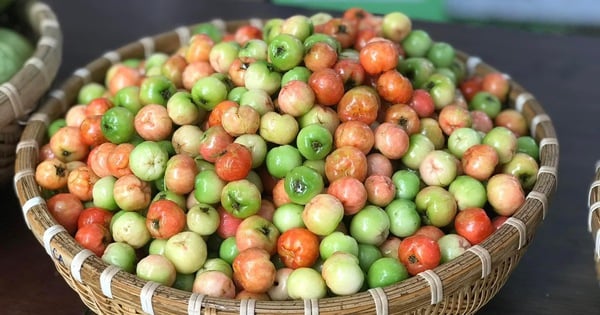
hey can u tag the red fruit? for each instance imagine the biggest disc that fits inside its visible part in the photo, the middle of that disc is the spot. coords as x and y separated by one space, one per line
404 116
470 87
253 270
165 219
359 103
343 30
351 192
320 56
94 237
379 56
497 84
327 85
474 225
298 247
98 106
351 72
419 253
245 33
65 208
94 215
346 161
91 131
235 163
395 88
433 232
228 224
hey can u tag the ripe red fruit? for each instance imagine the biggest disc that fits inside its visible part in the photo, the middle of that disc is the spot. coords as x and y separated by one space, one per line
235 163
94 237
378 56
165 219
419 253
474 225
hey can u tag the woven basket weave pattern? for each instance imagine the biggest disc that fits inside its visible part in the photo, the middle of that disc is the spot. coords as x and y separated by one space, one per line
20 95
461 286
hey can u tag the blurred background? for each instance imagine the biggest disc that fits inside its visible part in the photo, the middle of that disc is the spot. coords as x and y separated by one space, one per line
555 16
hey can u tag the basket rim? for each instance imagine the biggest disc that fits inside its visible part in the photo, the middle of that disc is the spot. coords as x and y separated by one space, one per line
469 266
19 96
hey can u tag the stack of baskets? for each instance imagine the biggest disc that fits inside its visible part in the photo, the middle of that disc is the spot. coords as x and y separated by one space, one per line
20 95
594 216
461 286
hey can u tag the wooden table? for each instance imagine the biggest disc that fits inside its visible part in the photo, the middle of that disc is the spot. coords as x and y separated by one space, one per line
556 275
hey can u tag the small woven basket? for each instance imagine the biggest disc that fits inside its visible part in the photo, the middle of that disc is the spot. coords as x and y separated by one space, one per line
461 286
594 216
20 95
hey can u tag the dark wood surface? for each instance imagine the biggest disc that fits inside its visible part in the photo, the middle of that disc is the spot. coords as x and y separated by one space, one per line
556 275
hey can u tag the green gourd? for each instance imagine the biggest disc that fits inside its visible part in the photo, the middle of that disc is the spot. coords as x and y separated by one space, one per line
15 49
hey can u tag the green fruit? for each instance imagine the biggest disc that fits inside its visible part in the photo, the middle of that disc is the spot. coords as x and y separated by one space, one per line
386 271
528 145
302 183
117 125
417 43
487 103
441 54
89 92
19 43
209 29
14 51
10 62
55 125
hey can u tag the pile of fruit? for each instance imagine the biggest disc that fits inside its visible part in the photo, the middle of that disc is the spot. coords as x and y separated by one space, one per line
15 48
310 157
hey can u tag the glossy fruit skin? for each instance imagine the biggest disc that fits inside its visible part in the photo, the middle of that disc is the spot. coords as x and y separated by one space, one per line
65 209
241 198
253 270
474 225
346 161
285 51
282 159
302 183
359 103
165 219
419 253
235 163
351 192
80 182
314 142
487 103
395 88
327 85
417 43
386 271
94 236
91 130
67 144
94 215
497 84
378 56
257 232
354 133
180 174
298 247
51 174
117 125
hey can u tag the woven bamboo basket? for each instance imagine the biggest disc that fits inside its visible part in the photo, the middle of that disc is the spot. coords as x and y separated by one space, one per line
20 95
594 216
461 286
